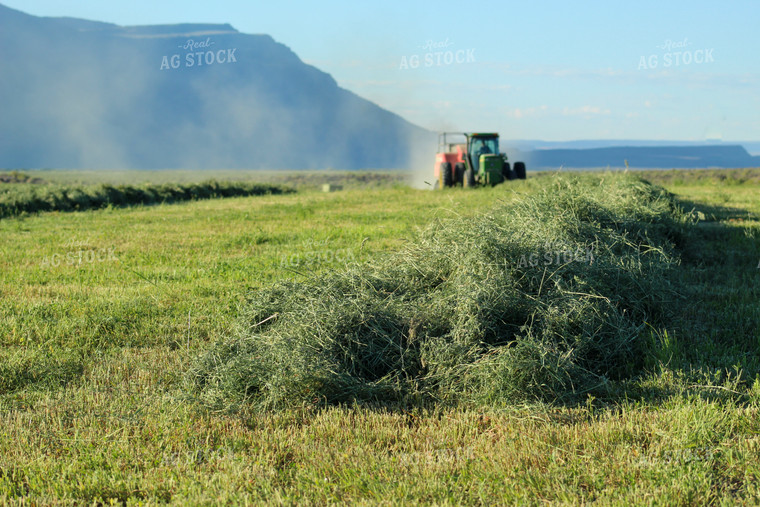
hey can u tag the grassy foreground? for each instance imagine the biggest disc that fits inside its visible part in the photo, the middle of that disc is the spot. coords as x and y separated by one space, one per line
96 346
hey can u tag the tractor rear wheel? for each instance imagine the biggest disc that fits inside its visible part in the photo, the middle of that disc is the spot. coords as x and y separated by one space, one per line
459 174
445 175
469 178
506 172
520 170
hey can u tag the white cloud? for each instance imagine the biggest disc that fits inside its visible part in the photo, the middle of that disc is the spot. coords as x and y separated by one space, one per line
526 112
584 111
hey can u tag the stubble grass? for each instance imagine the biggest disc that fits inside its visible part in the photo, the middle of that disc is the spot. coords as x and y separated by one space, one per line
92 405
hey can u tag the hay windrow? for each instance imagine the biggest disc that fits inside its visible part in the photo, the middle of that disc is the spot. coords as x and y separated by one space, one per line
545 299
18 198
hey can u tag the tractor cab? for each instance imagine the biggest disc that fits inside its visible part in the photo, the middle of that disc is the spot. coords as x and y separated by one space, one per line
481 144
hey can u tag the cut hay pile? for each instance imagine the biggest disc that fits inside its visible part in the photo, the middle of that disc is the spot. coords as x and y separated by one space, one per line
547 299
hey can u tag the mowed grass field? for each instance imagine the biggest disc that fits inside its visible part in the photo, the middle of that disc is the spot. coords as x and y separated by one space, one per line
103 312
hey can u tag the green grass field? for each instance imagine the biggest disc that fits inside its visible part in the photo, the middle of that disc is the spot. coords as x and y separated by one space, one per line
104 312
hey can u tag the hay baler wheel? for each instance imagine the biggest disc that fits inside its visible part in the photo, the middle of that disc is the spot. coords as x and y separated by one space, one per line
445 175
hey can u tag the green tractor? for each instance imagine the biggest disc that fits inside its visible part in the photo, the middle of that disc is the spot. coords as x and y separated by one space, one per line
477 161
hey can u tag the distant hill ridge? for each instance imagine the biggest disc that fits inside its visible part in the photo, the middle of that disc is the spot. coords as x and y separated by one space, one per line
85 94
675 157
180 30
78 93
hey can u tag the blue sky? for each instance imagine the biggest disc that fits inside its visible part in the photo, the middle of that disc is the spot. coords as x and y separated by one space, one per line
545 70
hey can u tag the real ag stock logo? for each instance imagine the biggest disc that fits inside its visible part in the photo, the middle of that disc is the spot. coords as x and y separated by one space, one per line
77 253
676 54
437 54
195 58
316 253
556 256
